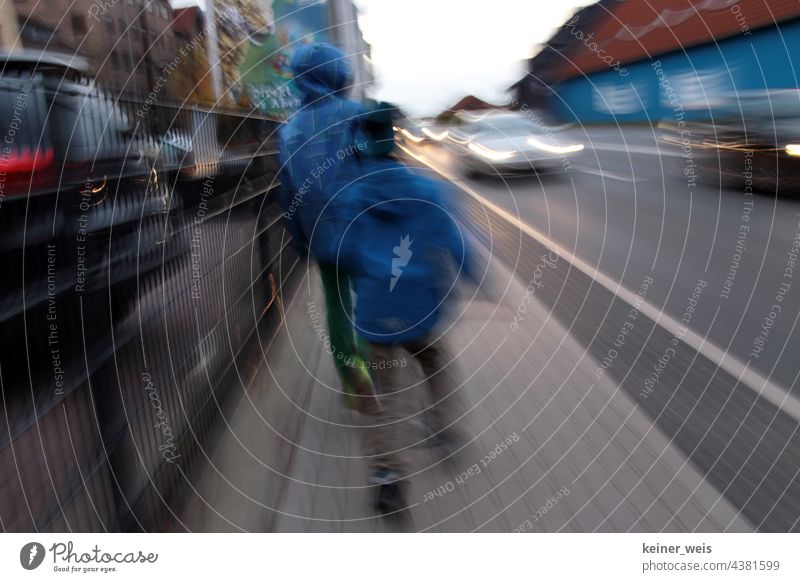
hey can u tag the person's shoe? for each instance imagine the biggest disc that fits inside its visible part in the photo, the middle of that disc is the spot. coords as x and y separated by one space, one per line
389 498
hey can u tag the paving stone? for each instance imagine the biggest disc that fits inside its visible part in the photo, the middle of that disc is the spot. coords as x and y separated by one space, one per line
587 435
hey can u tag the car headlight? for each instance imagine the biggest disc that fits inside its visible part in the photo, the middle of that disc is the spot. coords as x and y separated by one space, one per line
433 135
555 149
793 149
489 154
411 136
457 140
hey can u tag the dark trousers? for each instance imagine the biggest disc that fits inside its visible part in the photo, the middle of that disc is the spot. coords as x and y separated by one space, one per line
386 438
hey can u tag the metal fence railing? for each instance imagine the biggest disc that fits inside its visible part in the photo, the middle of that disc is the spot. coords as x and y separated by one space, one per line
142 249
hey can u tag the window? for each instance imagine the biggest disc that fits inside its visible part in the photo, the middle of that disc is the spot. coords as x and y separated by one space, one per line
78 24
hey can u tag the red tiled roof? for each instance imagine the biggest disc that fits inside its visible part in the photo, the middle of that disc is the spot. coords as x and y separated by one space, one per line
639 29
472 103
468 103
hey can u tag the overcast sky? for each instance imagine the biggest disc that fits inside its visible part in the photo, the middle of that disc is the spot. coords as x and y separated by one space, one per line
427 54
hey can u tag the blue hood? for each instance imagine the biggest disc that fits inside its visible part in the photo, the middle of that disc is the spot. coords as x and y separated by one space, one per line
319 149
320 70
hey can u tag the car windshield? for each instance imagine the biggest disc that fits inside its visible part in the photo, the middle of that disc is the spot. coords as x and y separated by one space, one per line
506 126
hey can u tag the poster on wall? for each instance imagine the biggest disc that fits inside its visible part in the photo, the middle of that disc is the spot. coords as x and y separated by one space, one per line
257 39
240 25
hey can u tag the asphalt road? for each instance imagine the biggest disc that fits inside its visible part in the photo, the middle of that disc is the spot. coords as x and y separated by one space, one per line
625 206
646 233
648 432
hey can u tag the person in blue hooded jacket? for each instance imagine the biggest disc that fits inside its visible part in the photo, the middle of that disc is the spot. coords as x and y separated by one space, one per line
404 251
319 155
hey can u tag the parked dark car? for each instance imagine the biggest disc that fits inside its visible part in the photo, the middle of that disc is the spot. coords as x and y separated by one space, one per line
85 207
753 143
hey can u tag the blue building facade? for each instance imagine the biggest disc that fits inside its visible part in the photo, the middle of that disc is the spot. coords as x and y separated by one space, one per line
691 83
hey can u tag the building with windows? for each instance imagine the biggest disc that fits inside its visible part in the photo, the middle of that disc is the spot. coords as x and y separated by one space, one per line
127 43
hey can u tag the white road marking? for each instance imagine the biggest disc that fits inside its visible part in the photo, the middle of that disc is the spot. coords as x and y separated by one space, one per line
607 174
666 151
724 360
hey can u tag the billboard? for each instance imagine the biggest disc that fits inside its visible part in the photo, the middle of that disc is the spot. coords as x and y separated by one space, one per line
256 41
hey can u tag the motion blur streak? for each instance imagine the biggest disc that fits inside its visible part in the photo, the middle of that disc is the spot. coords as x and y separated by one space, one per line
590 270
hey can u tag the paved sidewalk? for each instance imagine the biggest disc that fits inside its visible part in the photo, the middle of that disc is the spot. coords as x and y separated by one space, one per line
577 453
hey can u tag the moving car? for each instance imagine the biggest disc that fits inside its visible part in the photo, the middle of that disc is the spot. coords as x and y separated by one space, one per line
753 144
508 143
